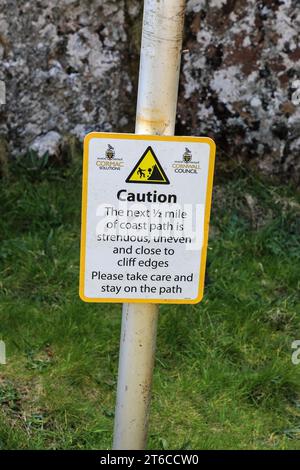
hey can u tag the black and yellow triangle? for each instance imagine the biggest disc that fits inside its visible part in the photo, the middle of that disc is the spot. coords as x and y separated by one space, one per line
148 170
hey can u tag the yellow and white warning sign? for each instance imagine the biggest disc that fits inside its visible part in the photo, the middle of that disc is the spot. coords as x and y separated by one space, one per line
145 215
148 170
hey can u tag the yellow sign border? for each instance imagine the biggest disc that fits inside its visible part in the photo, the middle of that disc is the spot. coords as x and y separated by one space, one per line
112 135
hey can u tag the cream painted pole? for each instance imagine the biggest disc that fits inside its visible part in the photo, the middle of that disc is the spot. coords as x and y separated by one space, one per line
156 113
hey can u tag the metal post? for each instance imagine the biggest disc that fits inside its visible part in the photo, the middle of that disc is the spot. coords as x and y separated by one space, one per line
156 113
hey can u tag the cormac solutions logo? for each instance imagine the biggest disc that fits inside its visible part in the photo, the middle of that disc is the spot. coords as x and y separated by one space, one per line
109 161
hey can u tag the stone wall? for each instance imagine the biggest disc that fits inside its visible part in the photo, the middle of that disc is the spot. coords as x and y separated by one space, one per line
70 66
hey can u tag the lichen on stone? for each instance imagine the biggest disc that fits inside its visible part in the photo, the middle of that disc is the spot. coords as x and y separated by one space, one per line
71 67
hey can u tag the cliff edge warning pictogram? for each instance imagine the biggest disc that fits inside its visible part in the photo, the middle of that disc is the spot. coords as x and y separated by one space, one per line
148 170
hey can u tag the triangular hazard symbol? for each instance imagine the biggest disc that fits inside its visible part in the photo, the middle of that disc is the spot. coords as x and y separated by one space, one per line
148 170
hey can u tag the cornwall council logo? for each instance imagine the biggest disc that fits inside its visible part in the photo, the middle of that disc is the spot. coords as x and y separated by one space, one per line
187 156
186 165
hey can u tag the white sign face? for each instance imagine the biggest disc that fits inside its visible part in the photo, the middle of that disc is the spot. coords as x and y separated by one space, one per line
145 216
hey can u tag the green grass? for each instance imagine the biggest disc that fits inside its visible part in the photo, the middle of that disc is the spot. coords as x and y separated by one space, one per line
223 377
